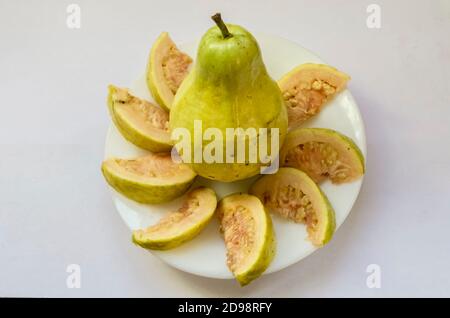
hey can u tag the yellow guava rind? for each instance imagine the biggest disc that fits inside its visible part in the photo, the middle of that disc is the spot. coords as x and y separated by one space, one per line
266 248
345 146
206 208
155 141
322 206
141 190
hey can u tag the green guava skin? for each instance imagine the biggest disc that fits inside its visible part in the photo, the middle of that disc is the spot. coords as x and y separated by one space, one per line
229 87
145 193
130 133
331 228
151 78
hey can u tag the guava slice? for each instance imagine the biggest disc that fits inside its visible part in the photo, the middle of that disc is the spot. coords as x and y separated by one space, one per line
182 225
166 70
153 178
139 121
322 154
307 88
295 196
249 236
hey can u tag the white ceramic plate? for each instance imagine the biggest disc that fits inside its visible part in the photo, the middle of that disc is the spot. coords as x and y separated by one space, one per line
205 255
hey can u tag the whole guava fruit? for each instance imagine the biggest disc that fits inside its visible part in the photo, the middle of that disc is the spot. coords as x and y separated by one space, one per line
229 87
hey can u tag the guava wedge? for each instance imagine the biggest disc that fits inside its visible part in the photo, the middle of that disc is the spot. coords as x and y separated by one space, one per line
167 67
182 225
295 196
249 236
140 122
322 154
307 88
153 178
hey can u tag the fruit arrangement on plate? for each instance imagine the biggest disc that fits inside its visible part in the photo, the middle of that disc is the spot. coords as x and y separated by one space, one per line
228 86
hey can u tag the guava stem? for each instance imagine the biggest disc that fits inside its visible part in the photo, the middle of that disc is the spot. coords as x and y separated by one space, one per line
223 28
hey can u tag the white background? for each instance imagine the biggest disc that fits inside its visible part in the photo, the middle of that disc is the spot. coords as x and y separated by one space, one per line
56 210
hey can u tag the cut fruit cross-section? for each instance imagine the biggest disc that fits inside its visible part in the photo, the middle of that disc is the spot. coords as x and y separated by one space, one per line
166 69
140 122
294 195
322 154
182 225
307 88
154 178
249 236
